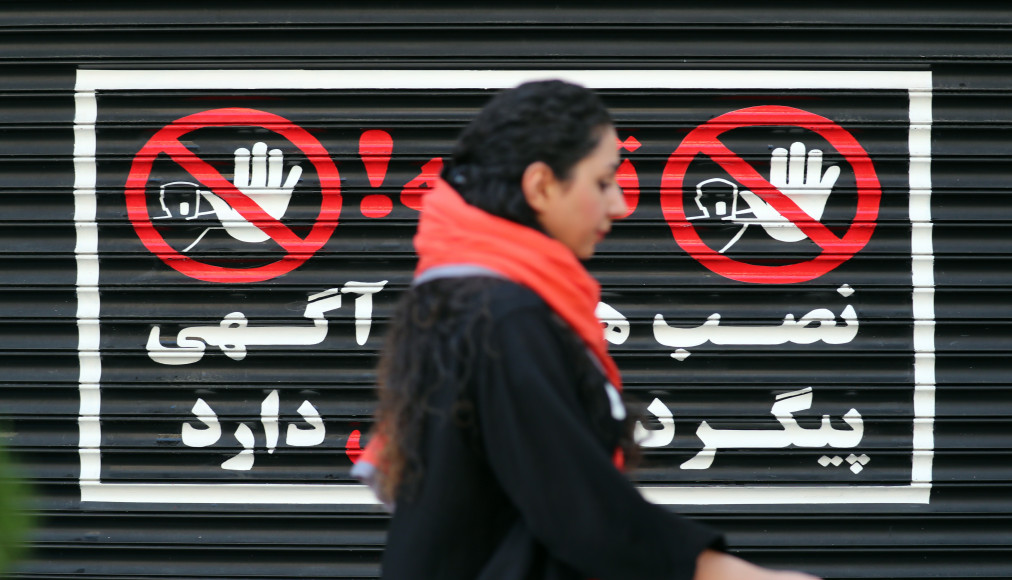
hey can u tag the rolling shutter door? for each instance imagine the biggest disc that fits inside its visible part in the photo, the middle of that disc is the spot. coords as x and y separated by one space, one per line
184 395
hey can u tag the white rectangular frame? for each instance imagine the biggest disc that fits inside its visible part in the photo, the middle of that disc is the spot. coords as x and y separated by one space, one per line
90 83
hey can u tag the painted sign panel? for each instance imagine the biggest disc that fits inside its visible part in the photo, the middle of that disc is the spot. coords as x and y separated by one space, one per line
235 247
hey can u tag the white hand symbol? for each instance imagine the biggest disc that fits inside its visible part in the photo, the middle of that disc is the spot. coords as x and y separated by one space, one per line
801 179
258 176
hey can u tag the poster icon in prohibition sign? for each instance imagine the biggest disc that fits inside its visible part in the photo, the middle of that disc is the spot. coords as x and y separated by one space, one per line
168 140
835 250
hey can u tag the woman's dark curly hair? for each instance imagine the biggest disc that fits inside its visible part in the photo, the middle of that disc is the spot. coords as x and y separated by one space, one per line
550 121
428 345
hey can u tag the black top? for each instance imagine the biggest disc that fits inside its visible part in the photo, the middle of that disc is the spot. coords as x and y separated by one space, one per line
527 489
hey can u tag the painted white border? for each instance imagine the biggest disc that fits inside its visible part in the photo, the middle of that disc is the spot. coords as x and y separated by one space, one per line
91 82
137 80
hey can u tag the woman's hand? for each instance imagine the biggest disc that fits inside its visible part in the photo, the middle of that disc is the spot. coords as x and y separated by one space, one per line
714 565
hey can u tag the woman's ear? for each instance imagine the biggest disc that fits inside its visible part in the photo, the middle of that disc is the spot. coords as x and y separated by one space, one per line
538 184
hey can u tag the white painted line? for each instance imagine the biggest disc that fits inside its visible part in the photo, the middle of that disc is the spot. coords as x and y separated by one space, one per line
920 206
921 243
86 255
91 401
91 464
923 271
756 495
93 80
91 435
923 280
924 432
924 373
337 494
227 493
924 303
924 336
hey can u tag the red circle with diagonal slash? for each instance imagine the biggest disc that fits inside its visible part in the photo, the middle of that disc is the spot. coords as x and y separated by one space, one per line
835 250
297 250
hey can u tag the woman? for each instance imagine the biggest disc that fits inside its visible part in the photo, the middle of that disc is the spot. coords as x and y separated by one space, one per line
501 433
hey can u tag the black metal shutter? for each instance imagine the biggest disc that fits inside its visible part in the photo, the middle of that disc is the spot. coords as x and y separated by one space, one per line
82 287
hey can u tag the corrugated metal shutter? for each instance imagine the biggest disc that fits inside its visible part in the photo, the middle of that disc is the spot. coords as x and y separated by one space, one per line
101 426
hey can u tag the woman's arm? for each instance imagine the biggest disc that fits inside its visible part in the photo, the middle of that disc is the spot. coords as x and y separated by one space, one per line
545 456
714 565
541 447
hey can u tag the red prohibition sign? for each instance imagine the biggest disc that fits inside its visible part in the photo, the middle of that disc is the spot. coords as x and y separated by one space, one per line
835 250
167 140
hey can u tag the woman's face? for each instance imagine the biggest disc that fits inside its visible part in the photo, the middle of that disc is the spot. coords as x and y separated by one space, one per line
578 211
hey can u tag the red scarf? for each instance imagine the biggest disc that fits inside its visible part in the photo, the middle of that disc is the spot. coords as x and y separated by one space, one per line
454 232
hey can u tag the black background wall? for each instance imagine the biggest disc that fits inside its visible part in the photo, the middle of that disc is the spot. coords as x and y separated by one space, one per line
53 332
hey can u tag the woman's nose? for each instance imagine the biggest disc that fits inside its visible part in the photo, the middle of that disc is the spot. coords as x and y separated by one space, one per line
617 206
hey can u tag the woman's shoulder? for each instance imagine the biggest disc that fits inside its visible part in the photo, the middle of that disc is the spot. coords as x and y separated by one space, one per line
500 297
508 297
